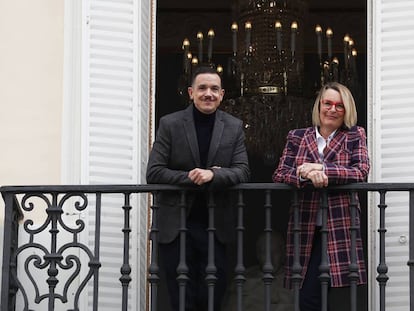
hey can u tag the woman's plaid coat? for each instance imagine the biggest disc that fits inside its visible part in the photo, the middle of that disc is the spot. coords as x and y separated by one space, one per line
345 161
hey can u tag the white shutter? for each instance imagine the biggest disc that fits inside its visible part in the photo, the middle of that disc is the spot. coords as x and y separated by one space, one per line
115 110
392 135
146 62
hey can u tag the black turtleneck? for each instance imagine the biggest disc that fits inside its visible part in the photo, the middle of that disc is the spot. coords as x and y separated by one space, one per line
204 124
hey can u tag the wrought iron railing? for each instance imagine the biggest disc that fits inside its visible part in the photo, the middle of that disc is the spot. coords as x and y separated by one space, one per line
22 208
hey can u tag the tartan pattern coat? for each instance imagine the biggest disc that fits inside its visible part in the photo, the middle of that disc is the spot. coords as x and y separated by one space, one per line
345 161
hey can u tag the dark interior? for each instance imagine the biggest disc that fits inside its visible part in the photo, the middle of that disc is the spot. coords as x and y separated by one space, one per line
181 19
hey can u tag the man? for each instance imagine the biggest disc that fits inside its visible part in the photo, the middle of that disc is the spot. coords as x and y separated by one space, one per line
199 146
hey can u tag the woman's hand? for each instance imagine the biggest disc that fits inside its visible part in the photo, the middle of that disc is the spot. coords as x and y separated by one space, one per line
318 178
313 172
306 168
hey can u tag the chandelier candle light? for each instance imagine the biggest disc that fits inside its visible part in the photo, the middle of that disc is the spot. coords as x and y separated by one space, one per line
210 36
265 82
234 29
294 30
200 46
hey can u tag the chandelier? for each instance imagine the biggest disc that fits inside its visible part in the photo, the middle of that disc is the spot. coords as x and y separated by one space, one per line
265 80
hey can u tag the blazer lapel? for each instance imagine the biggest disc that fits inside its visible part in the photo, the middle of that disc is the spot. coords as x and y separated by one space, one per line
189 129
312 146
215 138
334 145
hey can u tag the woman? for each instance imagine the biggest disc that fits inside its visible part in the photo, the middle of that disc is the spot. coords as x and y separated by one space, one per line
333 151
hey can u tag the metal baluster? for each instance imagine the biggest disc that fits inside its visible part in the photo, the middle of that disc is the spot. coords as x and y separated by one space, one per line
211 267
126 267
268 267
410 262
153 270
182 268
95 264
8 292
13 285
240 279
296 267
324 266
382 268
53 257
353 266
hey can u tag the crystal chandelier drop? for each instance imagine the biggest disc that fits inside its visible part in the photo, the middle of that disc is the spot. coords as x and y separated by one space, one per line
269 56
265 79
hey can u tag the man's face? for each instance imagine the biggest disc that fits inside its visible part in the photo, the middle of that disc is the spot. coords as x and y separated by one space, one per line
206 92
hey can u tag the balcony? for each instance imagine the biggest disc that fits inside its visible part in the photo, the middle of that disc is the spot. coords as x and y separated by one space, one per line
41 239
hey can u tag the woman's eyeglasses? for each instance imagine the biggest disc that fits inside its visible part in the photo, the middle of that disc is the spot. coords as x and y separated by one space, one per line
326 104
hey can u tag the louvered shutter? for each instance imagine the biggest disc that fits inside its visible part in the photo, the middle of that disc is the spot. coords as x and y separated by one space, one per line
115 105
392 134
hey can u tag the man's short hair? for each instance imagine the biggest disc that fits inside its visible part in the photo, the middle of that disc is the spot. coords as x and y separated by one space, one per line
205 69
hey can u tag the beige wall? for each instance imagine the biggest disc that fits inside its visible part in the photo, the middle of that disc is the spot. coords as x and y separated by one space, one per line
31 62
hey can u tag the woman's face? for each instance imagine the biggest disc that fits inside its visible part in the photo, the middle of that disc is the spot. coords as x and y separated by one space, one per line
331 110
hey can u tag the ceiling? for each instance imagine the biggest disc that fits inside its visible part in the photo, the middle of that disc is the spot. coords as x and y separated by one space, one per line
226 4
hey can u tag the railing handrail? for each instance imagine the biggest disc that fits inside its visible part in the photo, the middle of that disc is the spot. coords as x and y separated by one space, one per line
12 194
138 188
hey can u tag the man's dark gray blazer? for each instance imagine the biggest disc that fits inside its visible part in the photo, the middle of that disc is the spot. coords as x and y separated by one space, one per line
175 153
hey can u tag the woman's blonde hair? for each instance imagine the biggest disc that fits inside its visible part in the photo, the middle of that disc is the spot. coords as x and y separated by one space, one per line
350 117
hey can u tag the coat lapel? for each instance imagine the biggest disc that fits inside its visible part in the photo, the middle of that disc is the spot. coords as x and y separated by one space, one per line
190 132
334 145
311 145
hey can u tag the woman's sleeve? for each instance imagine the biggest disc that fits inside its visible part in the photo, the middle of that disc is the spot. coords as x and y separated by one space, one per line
286 170
352 163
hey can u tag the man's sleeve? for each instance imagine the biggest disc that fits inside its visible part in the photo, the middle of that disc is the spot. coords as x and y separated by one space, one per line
158 169
238 171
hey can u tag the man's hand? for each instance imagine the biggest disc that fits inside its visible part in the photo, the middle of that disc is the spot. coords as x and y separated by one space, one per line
200 176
